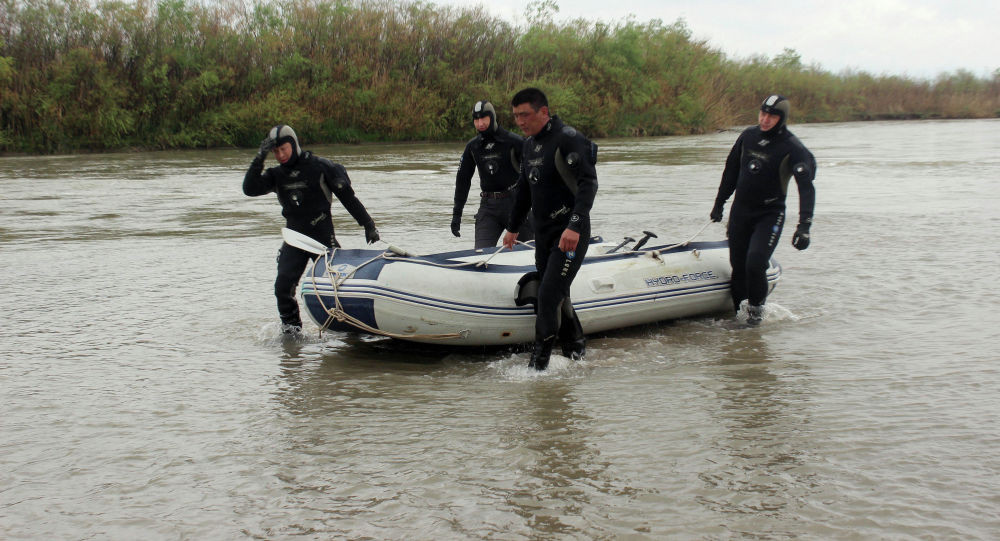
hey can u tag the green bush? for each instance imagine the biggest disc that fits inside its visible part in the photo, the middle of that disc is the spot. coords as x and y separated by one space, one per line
109 74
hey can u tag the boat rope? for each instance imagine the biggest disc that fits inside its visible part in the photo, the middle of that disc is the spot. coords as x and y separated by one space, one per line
481 263
681 244
337 313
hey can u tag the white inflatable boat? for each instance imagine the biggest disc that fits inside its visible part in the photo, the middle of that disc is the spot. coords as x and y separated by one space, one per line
470 298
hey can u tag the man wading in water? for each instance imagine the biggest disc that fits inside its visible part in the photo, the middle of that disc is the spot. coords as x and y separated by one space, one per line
758 169
305 185
558 183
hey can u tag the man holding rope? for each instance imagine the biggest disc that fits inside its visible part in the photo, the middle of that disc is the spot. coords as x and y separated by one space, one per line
305 185
758 169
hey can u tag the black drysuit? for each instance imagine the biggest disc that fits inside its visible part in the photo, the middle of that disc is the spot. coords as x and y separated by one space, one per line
496 153
305 187
558 201
758 169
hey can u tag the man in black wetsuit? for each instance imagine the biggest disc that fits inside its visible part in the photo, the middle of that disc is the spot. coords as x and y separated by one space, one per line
496 153
558 183
305 185
758 169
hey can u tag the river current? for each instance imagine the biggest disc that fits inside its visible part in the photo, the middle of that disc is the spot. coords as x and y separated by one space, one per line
146 392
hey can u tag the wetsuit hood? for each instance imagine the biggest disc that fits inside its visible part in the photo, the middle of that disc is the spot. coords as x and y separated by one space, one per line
485 108
285 134
777 105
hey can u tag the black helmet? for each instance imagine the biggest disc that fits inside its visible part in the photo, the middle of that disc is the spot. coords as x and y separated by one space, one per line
777 105
485 108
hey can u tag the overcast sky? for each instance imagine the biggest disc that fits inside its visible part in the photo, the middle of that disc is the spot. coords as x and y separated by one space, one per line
914 38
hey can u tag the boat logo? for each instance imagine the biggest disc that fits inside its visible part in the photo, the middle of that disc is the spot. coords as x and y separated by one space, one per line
343 271
681 278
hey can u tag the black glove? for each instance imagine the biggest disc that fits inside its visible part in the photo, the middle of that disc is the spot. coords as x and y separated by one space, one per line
716 214
267 145
371 233
456 224
800 239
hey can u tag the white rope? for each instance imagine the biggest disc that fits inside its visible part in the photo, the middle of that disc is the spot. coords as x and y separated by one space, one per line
479 263
338 314
685 243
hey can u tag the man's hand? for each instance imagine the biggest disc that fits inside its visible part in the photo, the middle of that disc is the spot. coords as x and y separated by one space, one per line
456 225
568 241
716 214
508 240
800 240
267 145
371 233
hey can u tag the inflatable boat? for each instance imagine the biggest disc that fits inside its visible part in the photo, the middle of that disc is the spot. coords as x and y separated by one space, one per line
482 297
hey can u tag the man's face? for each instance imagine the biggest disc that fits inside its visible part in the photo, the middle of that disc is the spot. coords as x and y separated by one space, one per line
481 123
766 121
529 120
283 152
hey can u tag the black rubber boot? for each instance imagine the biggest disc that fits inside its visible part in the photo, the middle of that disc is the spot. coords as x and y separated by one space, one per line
571 333
755 314
541 353
575 350
574 345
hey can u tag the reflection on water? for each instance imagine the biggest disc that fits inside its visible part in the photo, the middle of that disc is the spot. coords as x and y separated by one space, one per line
146 391
761 413
560 467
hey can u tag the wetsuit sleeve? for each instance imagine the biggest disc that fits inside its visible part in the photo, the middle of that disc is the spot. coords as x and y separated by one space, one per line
522 202
463 181
804 170
340 184
257 181
730 174
516 147
586 181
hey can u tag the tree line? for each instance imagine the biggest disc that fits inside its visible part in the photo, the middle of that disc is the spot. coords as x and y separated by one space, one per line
91 75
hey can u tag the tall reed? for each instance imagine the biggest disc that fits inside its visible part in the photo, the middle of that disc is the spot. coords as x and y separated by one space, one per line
110 74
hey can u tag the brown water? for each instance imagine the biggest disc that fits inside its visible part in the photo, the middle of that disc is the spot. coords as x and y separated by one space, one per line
145 392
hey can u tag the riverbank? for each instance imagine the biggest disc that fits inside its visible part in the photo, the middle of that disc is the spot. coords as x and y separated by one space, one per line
177 74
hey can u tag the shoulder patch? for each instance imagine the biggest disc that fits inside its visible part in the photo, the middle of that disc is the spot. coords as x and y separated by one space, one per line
569 130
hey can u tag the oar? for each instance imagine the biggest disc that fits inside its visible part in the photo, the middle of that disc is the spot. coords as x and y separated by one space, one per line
302 242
